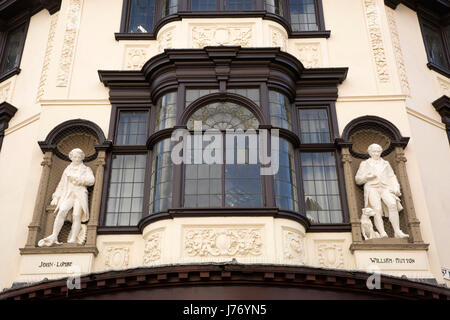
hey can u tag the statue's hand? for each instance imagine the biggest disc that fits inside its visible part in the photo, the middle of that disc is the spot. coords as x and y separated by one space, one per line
370 176
54 202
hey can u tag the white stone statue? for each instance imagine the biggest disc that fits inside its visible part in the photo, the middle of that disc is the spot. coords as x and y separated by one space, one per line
366 224
381 190
71 193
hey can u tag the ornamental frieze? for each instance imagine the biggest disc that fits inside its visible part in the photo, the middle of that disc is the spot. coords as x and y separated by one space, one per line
223 242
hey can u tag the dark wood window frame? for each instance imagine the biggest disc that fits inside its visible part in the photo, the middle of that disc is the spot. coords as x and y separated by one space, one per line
20 21
184 11
427 20
434 13
223 67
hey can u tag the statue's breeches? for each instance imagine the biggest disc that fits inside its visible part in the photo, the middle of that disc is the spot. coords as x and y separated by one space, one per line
377 194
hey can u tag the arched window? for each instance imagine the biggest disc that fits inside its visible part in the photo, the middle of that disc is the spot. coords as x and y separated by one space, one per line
225 184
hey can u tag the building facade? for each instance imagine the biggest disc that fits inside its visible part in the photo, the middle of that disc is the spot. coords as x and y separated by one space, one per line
117 79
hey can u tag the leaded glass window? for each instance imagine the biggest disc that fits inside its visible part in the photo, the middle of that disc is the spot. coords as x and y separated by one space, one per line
169 7
203 5
280 110
320 183
166 114
132 128
314 126
285 181
434 44
11 52
142 16
161 177
250 93
274 6
303 15
231 184
194 94
224 115
126 190
239 4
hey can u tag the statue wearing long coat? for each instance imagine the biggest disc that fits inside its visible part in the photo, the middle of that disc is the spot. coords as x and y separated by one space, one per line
385 179
73 185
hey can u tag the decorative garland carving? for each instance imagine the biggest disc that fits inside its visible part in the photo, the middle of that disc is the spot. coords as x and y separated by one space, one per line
398 51
47 57
152 250
221 35
206 242
376 39
4 91
70 39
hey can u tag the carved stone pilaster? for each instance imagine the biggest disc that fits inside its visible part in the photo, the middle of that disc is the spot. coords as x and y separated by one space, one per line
350 187
39 209
96 200
413 223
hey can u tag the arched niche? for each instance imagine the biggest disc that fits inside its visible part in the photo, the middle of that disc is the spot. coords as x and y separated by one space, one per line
356 137
68 135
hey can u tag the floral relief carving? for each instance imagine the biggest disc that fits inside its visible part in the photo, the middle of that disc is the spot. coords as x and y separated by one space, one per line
309 55
278 39
47 57
330 255
376 39
165 40
207 242
293 246
398 50
70 38
135 58
152 250
218 35
117 257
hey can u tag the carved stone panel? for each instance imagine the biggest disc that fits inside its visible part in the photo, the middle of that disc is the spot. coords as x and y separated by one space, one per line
165 39
135 57
223 241
69 43
309 54
214 35
330 254
376 39
278 38
152 249
293 246
117 257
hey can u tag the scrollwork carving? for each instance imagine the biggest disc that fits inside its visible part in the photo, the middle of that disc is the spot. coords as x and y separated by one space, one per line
293 246
219 35
309 54
117 257
330 255
152 250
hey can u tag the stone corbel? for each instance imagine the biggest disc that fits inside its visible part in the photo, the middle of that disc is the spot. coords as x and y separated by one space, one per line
442 105
7 111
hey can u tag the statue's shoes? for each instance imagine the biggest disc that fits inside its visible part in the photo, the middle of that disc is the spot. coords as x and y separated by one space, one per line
48 241
383 235
400 234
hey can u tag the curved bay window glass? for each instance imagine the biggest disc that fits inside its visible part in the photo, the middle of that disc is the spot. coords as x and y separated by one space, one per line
233 184
169 7
142 15
166 111
280 110
303 15
161 177
274 6
239 4
203 5
285 181
251 93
